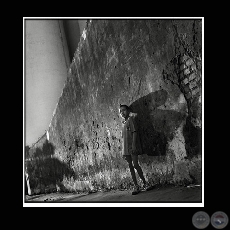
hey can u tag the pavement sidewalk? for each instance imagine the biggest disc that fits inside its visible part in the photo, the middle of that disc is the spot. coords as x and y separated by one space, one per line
162 194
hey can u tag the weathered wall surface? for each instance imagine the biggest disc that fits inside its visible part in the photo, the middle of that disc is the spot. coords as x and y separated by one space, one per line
155 67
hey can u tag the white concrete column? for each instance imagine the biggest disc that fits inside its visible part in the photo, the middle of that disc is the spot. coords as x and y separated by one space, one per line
28 184
46 67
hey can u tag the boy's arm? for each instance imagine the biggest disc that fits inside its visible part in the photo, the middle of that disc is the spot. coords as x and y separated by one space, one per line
134 132
134 141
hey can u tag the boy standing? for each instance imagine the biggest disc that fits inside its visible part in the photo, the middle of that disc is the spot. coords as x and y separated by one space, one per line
131 146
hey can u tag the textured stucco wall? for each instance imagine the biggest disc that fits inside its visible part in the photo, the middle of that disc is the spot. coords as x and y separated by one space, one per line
127 61
152 65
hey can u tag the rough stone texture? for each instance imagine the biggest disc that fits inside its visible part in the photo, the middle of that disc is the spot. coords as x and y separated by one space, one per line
152 65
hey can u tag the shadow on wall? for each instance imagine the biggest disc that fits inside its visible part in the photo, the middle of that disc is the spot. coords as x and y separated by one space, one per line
156 126
193 138
46 172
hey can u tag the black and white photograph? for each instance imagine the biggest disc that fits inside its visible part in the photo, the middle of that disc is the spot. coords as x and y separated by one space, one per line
113 112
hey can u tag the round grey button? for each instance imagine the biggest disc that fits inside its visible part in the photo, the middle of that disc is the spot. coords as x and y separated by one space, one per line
201 220
219 220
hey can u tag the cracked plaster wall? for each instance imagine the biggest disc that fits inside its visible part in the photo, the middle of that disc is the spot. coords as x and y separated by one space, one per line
152 65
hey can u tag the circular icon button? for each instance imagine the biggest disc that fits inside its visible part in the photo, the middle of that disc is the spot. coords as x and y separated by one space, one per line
219 220
201 220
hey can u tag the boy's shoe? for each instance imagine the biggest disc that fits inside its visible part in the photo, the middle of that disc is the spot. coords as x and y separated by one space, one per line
147 187
136 190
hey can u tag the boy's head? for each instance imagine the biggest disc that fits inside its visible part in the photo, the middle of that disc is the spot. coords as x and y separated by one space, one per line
124 111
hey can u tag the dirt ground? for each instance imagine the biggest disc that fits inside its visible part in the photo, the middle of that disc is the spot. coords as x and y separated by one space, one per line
169 194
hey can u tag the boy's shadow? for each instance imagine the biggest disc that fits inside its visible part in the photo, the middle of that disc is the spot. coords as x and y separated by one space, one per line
155 126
